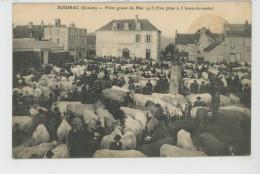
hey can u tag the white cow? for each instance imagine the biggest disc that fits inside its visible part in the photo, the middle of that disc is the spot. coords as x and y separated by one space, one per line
184 140
168 150
25 122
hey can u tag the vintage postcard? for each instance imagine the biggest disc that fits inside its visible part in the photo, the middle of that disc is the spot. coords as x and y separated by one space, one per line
131 80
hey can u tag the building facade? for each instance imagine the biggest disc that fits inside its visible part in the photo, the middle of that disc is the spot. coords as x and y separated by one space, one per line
73 39
28 53
232 45
128 38
91 46
238 42
193 45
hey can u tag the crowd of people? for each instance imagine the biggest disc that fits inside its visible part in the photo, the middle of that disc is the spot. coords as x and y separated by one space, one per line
87 89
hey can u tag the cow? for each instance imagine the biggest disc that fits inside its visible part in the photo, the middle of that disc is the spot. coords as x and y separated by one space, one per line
153 149
118 154
61 151
128 141
168 150
40 135
37 151
25 122
184 141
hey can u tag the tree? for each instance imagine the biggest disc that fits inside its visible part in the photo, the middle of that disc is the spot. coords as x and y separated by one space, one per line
168 51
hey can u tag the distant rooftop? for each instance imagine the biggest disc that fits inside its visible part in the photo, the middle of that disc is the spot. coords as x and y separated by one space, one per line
22 45
238 30
144 24
185 39
24 31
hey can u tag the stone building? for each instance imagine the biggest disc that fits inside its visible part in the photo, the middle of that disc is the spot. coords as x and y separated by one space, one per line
237 42
128 38
193 45
91 46
232 45
29 32
73 39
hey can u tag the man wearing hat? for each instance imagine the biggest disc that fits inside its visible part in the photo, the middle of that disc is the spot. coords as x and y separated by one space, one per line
198 102
127 99
159 114
17 135
116 145
194 87
203 87
149 87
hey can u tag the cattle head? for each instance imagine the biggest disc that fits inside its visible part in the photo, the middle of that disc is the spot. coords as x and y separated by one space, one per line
183 107
148 114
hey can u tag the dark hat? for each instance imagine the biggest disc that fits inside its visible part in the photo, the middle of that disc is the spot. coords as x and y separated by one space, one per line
157 105
198 97
117 137
40 111
56 109
98 123
49 154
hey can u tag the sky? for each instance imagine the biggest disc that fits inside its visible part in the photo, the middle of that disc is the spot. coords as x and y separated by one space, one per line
165 16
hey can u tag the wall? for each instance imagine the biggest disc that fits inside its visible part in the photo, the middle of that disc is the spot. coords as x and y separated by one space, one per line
113 42
215 55
78 40
73 39
58 57
190 48
238 46
54 35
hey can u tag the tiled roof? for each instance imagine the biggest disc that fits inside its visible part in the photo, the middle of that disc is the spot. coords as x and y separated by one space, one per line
238 30
213 45
145 25
23 31
25 44
185 39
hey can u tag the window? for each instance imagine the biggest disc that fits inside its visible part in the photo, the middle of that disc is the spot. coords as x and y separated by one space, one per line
232 45
137 38
114 27
126 26
58 31
50 31
71 31
148 38
138 26
58 41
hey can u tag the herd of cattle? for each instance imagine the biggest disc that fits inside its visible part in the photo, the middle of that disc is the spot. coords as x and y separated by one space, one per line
189 131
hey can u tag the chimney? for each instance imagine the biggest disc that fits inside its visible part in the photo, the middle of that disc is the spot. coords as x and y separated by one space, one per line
42 23
30 25
72 25
176 33
203 31
136 18
246 23
57 23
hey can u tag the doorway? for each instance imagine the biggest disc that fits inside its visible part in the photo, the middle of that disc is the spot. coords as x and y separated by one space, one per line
126 53
148 54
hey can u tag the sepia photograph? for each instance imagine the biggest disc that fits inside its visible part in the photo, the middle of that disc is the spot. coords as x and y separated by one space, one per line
131 80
